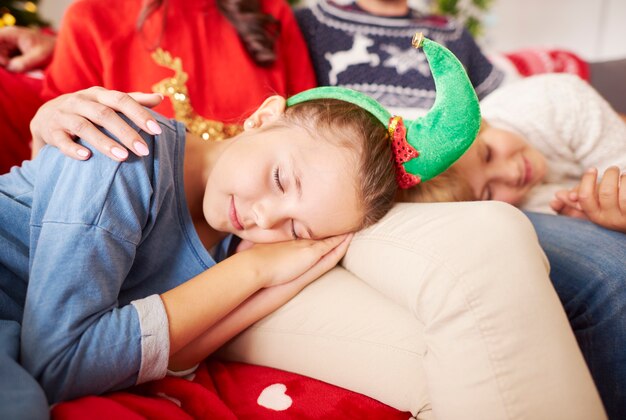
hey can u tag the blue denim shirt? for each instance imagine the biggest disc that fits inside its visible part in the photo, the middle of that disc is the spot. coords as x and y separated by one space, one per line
85 249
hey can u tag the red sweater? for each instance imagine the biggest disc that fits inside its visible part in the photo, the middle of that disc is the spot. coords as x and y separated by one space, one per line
99 45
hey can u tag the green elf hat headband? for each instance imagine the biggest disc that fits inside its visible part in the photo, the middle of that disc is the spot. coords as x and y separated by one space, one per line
429 145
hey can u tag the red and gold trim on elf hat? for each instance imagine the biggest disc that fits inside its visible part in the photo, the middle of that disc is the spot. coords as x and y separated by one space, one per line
425 147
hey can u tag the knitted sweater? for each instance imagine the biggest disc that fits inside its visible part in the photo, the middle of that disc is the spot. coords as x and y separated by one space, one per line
352 48
564 119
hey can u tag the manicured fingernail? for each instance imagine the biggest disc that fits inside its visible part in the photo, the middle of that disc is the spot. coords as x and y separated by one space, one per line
154 127
141 148
591 170
82 153
119 153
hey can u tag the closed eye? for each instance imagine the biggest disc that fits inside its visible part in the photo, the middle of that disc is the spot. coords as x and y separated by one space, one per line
293 230
487 153
277 180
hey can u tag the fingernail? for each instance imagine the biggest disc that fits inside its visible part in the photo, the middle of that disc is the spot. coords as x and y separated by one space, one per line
82 153
154 127
591 170
141 148
119 153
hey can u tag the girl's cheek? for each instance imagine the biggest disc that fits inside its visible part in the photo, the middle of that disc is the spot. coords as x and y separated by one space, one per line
508 196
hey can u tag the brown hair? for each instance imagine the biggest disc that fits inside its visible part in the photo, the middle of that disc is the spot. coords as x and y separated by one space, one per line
448 186
351 126
258 31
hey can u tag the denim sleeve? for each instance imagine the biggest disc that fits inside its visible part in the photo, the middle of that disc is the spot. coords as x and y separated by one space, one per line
86 224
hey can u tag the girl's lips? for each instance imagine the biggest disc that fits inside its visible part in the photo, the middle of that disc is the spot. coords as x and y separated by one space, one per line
233 215
528 171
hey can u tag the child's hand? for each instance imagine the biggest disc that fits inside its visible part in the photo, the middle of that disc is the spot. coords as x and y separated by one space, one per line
603 203
304 259
565 203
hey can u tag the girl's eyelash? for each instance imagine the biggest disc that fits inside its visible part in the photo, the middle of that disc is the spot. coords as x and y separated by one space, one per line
277 179
487 153
280 187
293 230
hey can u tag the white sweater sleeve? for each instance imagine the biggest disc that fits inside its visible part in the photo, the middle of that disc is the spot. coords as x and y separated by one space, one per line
597 135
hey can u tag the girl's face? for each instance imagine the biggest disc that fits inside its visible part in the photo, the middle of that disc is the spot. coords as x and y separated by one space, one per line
501 166
280 184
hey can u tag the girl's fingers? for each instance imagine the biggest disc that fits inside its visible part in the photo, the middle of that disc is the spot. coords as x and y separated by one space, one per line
608 189
324 246
339 251
564 196
587 196
329 259
572 212
622 194
557 205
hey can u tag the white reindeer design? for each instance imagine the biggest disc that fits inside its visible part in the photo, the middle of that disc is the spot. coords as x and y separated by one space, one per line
357 54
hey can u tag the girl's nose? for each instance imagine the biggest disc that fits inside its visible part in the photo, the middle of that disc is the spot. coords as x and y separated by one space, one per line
507 171
268 215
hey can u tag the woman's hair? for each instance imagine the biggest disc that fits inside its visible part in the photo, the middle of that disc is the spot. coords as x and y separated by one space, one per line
448 186
350 126
258 31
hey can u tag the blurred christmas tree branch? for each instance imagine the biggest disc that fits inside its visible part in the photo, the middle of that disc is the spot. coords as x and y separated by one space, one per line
21 13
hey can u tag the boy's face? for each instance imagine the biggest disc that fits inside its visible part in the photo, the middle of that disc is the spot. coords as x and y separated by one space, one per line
280 184
501 166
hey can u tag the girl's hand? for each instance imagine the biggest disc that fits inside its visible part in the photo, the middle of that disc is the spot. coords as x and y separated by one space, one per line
301 261
603 203
73 115
565 203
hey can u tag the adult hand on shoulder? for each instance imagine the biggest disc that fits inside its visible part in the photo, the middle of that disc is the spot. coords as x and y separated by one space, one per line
603 203
23 49
300 261
61 120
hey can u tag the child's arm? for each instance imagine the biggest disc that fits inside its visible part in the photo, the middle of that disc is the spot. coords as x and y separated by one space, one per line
257 306
603 203
292 264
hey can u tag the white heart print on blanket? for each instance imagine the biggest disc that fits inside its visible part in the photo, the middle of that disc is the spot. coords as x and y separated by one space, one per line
275 398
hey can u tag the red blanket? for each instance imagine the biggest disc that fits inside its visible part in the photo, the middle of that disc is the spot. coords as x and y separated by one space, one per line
229 390
19 100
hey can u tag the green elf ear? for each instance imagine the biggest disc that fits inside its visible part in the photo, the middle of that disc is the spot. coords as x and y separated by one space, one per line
425 147
450 127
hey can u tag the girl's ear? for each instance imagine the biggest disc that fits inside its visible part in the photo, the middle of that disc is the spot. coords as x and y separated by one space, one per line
271 110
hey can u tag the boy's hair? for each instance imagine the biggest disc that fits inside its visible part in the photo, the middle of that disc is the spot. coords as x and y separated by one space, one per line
448 186
350 126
